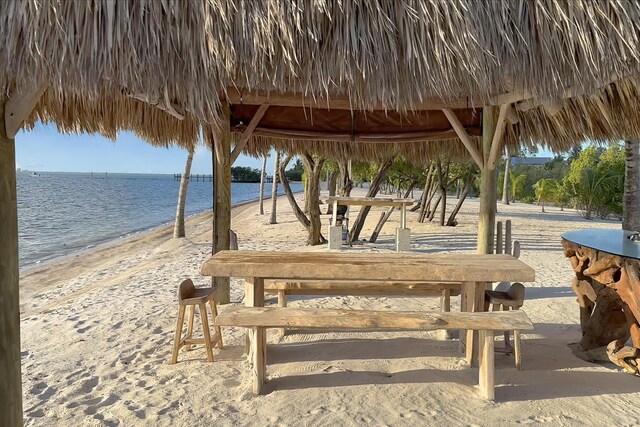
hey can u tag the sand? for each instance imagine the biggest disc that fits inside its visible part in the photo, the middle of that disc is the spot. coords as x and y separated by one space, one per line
97 331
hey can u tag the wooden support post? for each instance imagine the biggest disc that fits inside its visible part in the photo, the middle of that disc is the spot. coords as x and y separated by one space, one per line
472 300
253 297
488 186
244 138
10 374
222 192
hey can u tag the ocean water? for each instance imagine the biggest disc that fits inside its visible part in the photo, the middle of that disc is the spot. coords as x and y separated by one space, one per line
61 213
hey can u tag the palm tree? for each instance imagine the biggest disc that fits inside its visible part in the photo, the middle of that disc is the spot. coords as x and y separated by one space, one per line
262 173
516 184
545 190
631 205
505 188
178 228
274 189
594 185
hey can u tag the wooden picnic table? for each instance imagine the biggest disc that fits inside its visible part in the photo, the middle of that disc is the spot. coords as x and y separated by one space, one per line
471 270
402 234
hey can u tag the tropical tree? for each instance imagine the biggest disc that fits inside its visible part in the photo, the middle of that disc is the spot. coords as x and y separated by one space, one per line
274 189
178 227
517 183
262 174
631 210
545 190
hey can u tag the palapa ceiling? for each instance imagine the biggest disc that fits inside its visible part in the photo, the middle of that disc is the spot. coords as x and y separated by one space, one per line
163 68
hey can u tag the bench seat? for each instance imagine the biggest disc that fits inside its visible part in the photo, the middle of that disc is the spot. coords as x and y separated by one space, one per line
261 318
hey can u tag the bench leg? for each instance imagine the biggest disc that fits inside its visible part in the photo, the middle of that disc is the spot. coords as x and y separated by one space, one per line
282 302
445 307
486 379
258 352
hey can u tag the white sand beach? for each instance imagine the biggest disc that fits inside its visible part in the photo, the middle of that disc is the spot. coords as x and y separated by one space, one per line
97 332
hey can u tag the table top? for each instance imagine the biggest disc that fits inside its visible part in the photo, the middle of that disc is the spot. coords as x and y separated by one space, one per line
370 201
369 266
610 241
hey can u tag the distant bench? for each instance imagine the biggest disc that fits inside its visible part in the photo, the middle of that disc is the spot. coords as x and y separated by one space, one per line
261 318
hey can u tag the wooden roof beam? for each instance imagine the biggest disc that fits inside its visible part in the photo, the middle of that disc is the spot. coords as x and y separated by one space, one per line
355 137
246 134
464 137
19 106
496 142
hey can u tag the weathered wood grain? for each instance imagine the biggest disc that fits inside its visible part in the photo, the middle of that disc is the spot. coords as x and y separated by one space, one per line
369 266
279 317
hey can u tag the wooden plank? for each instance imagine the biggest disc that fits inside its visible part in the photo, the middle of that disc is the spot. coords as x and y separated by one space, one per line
253 297
368 137
335 102
370 201
19 106
488 187
487 365
246 134
369 266
330 287
464 136
289 317
10 369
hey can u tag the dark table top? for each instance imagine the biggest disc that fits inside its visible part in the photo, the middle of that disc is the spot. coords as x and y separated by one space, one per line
610 241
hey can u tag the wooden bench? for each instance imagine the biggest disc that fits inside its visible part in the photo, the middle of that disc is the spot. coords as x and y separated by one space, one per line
261 318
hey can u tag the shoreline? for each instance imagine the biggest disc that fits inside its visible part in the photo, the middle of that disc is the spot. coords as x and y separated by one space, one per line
123 239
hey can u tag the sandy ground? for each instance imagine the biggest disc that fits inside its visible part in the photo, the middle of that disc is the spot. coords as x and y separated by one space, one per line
97 332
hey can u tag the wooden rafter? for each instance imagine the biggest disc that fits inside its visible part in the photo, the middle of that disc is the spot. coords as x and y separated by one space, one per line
464 136
19 106
246 134
343 102
496 142
305 135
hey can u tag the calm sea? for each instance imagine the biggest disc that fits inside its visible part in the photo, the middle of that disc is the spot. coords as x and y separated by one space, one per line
60 213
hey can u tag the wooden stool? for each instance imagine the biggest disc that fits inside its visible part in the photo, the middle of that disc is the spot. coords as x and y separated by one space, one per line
189 296
512 299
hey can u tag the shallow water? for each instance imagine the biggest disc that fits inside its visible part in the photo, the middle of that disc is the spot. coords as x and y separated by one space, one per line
59 213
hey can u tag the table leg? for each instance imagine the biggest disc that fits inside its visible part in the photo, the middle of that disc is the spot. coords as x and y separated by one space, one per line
472 300
335 213
403 216
253 297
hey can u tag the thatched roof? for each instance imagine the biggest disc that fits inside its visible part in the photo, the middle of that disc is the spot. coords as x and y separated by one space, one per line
374 55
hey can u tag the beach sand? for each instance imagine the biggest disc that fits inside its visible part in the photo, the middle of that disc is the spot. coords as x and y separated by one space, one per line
97 333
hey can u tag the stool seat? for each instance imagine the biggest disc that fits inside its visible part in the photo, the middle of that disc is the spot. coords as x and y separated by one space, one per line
197 296
502 298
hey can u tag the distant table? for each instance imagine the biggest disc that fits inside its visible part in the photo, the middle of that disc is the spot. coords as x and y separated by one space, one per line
607 282
403 234
472 270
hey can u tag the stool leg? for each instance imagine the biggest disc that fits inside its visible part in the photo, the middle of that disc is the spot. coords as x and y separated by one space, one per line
178 337
282 302
517 348
192 312
214 312
205 328
507 342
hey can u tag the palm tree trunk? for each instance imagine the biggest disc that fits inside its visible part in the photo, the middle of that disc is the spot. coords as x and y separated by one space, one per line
505 185
262 174
376 183
178 228
631 207
274 190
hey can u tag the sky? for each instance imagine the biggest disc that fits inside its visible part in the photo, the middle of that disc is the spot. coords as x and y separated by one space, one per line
45 149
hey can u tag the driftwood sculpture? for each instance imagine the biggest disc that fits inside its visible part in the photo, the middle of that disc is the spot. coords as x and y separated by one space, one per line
608 290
